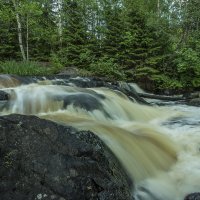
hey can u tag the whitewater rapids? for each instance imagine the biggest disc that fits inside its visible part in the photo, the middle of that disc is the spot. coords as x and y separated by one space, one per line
158 146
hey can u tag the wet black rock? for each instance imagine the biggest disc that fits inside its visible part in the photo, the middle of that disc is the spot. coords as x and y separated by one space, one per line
194 102
40 159
193 99
3 96
193 196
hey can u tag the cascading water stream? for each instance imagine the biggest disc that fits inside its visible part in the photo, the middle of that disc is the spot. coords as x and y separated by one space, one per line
150 147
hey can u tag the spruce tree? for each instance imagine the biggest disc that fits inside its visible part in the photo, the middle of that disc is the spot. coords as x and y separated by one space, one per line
75 36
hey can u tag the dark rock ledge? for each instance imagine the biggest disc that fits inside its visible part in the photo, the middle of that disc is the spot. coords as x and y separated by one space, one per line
40 159
193 196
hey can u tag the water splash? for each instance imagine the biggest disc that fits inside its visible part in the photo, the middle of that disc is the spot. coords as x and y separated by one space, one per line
184 176
162 156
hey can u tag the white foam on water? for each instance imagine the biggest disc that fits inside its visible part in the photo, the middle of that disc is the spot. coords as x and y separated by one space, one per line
160 153
184 176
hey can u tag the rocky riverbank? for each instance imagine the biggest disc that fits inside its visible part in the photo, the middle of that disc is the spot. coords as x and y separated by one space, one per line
192 99
43 160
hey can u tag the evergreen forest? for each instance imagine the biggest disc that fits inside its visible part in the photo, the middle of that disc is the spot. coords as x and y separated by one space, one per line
156 42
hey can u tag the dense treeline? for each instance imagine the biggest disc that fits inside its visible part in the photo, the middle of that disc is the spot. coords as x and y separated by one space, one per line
153 41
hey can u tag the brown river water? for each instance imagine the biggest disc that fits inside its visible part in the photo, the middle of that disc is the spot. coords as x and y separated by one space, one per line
158 146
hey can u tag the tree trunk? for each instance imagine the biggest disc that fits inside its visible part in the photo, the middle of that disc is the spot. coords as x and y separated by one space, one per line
60 27
19 30
158 7
27 38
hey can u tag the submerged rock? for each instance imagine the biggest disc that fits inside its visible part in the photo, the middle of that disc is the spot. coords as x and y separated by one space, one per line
82 82
43 160
4 96
193 196
194 102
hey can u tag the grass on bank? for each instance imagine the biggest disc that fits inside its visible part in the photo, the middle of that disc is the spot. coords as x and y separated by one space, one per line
25 68
104 67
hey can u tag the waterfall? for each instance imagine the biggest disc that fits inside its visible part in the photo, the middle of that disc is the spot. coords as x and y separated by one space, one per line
148 150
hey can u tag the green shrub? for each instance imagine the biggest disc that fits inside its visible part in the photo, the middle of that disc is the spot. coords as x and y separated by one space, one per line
187 64
56 63
161 80
106 67
145 71
23 68
85 73
165 82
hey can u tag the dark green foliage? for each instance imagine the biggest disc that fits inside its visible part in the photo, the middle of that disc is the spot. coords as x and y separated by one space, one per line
113 30
153 41
75 51
8 34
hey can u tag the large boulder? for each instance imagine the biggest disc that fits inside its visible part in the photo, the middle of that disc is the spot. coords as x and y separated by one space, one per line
42 160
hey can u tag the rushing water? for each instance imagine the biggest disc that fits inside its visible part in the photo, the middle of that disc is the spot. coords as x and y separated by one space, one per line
184 176
158 146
